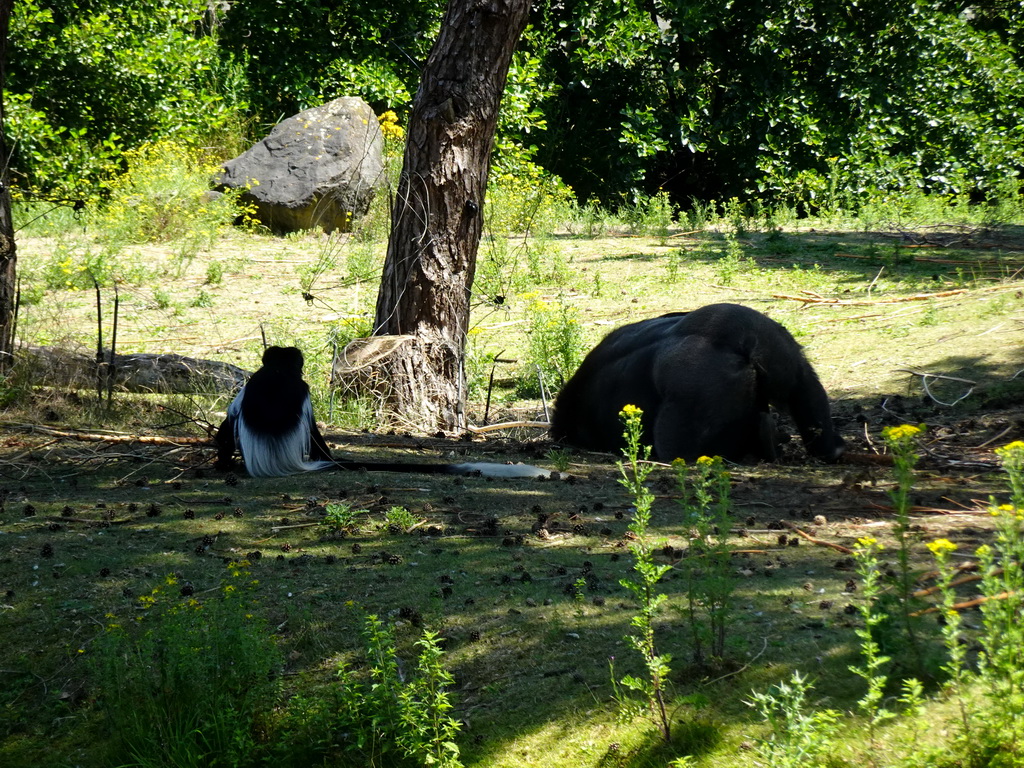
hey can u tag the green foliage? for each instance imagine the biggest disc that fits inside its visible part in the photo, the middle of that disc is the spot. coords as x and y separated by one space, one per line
800 737
303 53
809 103
186 684
381 713
704 498
653 216
78 265
164 196
554 344
77 68
635 469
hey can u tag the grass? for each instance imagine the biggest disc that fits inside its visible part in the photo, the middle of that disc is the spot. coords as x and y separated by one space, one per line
89 527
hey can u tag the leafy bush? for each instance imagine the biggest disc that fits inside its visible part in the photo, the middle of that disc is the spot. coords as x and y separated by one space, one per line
379 714
554 345
153 70
187 683
164 195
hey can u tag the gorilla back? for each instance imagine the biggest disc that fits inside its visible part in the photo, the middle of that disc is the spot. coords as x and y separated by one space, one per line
705 381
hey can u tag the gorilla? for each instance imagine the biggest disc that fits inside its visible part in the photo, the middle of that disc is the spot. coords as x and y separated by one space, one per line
271 422
705 381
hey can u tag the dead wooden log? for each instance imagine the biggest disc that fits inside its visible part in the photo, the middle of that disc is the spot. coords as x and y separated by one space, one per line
146 373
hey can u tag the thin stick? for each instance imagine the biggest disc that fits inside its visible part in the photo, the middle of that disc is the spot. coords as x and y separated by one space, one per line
543 393
99 341
881 269
112 367
114 438
967 603
872 302
819 542
508 425
490 385
997 437
936 376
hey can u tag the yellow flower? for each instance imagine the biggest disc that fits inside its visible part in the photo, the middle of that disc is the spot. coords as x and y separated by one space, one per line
941 547
1003 509
705 461
902 432
630 411
983 551
1016 445
867 542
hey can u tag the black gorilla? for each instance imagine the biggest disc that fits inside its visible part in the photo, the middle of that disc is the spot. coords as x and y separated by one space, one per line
271 422
704 380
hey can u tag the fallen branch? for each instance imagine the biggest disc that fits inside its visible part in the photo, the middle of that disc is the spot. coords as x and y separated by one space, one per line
966 604
871 302
819 542
147 373
507 425
924 383
95 437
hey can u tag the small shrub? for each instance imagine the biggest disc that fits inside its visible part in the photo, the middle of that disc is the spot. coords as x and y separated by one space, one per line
381 712
187 683
554 345
399 518
704 498
214 273
164 196
800 737
202 299
341 517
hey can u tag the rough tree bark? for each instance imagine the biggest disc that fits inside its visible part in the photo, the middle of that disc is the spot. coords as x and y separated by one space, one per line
438 213
8 258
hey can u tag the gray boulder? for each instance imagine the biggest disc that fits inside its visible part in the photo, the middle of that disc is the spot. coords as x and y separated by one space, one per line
319 168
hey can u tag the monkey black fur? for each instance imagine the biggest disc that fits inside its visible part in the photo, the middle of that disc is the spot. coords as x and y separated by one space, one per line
271 422
705 381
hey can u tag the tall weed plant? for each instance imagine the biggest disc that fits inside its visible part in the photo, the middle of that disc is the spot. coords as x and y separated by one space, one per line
634 469
164 196
554 344
1001 661
382 712
185 684
706 568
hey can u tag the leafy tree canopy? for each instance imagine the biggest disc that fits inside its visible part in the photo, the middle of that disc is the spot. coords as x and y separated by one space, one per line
784 98
795 101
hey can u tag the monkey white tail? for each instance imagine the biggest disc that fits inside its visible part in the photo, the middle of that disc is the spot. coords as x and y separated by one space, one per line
490 469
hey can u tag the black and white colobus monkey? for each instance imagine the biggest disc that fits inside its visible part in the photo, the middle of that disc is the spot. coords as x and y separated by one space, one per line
705 381
271 422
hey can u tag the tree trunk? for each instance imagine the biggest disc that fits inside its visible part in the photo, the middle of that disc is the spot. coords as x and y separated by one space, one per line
8 258
438 212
